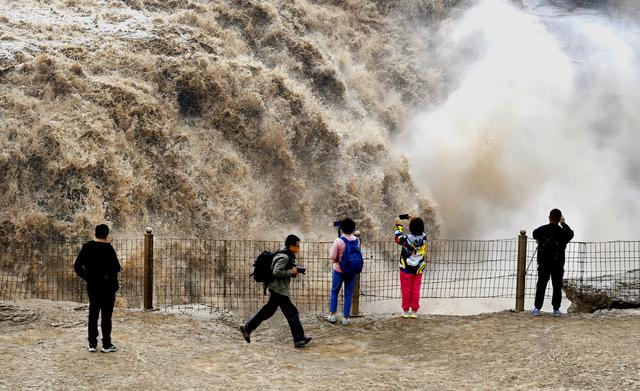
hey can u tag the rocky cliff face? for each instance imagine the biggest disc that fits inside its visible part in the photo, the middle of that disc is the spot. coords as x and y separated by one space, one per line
245 118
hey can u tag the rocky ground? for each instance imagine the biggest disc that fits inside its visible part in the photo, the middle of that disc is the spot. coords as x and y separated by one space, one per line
43 348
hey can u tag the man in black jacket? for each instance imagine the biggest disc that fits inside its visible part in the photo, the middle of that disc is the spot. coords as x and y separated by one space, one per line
98 265
552 241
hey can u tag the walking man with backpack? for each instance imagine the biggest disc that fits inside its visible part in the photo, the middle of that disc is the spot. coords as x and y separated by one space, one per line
347 264
552 241
283 268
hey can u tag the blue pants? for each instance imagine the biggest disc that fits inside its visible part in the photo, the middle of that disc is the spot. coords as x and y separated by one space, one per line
349 281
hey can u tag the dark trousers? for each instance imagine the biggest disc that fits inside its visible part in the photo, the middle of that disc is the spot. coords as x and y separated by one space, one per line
544 273
288 309
101 302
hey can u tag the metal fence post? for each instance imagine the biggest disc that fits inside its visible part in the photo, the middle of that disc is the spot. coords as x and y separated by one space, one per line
148 269
224 273
522 270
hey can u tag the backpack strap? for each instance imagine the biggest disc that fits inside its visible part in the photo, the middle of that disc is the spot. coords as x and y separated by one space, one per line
289 262
344 252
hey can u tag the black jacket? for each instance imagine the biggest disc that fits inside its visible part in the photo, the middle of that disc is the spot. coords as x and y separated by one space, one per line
97 263
552 241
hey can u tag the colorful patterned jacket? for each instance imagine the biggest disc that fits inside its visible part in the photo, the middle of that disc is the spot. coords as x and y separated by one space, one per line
414 250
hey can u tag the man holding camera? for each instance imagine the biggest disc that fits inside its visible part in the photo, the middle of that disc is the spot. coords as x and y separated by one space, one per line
284 267
552 241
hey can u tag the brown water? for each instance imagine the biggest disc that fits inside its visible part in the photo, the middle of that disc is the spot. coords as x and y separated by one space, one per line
248 119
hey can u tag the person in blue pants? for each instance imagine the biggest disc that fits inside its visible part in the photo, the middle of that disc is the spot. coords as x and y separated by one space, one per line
339 278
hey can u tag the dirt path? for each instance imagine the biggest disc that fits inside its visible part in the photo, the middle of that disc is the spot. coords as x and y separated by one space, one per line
43 348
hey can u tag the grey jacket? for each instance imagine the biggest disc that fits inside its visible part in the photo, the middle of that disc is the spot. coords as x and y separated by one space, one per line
282 272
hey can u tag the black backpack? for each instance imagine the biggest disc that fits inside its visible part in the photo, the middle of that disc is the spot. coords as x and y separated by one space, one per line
262 268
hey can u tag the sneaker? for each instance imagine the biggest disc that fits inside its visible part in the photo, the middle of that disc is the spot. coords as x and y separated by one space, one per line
405 314
109 349
535 312
92 349
301 343
245 334
413 314
346 321
332 319
557 312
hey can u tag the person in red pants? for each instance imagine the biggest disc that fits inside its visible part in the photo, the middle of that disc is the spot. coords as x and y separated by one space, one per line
412 264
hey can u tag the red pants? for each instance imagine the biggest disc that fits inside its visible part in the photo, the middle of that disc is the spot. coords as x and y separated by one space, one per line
410 287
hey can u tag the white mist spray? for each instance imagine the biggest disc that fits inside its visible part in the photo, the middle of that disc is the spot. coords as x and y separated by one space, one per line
542 113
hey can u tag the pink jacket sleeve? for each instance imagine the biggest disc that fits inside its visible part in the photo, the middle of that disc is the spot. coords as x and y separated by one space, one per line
337 248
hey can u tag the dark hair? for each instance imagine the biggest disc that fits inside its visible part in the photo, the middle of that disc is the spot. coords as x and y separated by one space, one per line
102 231
291 240
348 226
416 226
555 215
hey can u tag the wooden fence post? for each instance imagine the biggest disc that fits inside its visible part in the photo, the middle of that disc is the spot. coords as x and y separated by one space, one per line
355 300
522 271
148 269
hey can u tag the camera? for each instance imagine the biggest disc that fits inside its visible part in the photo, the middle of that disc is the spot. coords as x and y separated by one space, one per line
301 269
337 223
404 216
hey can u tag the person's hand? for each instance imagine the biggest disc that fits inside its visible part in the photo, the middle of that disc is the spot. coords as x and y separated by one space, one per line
294 271
561 219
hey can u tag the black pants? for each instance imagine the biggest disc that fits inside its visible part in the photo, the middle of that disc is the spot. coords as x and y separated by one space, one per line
288 309
101 302
544 273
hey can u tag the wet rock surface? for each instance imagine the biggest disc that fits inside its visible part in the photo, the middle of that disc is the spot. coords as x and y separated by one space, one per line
610 291
12 315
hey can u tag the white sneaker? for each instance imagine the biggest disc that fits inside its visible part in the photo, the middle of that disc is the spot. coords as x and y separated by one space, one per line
92 349
413 314
332 319
109 349
346 321
406 314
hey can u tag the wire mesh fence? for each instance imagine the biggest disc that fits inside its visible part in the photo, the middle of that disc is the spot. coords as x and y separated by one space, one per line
45 271
204 273
598 266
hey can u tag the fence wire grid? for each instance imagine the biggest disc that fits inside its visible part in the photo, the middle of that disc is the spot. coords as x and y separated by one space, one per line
214 274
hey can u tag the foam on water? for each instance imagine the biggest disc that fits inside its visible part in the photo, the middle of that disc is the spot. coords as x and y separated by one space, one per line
223 119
